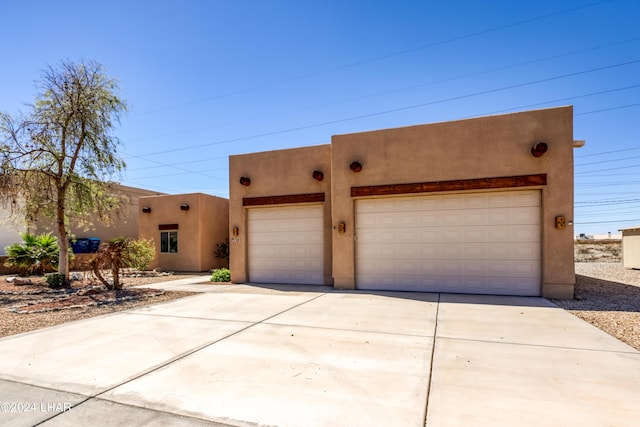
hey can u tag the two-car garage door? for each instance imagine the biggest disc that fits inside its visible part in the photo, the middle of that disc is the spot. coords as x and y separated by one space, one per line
485 243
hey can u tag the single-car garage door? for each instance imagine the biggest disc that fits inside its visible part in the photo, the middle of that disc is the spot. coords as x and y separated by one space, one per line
286 244
485 243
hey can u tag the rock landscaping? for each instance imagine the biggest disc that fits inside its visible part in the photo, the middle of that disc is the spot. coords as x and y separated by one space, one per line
28 303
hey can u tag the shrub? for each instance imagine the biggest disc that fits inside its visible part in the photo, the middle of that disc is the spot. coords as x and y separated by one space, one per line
221 275
222 251
36 254
141 252
55 280
113 254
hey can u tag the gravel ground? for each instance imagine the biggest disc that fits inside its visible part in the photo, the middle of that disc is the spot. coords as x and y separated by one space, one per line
608 296
14 323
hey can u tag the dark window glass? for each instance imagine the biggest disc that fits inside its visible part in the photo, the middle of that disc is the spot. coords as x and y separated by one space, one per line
168 242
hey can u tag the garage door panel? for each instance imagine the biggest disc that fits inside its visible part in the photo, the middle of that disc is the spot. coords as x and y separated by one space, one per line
523 251
285 245
479 243
513 199
275 213
285 251
284 238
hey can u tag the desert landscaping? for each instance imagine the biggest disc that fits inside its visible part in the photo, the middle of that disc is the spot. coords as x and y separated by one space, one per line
607 295
33 305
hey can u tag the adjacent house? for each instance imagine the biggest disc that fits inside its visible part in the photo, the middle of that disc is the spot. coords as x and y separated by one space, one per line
125 224
186 229
631 247
482 205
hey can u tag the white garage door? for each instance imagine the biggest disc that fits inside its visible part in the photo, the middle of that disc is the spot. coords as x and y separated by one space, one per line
485 243
286 245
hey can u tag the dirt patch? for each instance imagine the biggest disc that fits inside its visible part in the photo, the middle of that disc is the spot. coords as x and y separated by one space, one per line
598 251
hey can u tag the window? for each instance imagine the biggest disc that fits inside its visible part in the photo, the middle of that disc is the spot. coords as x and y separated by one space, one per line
168 242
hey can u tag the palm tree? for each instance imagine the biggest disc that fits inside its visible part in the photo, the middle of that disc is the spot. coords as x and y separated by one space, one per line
35 255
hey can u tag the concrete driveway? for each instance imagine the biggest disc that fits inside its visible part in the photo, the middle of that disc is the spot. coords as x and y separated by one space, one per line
311 356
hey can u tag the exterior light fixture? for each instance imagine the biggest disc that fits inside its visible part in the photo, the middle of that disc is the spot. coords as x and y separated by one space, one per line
184 207
318 175
235 231
246 181
355 166
539 148
146 209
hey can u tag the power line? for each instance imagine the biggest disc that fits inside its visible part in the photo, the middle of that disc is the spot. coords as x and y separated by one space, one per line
182 173
633 212
555 101
609 169
608 152
395 110
607 222
580 194
433 82
610 202
608 109
382 57
609 175
608 161
558 100
606 184
181 163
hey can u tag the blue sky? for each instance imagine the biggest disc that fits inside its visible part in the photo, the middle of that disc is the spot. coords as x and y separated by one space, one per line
208 79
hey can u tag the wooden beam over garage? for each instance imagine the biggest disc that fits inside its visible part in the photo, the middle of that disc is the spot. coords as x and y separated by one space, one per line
282 200
455 185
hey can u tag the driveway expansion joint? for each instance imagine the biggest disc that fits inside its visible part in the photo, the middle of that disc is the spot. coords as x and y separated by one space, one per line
558 347
184 355
433 352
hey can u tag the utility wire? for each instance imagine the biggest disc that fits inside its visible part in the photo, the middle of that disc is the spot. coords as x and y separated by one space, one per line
608 152
608 202
608 109
413 87
395 110
607 222
608 169
380 58
608 161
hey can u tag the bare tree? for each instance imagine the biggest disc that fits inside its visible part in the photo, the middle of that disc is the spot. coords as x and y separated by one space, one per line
56 160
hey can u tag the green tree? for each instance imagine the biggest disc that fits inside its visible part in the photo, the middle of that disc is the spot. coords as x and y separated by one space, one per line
36 254
56 160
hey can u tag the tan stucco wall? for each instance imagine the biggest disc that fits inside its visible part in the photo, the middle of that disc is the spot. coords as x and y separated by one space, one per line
10 229
631 248
214 229
124 225
484 147
475 148
199 229
274 173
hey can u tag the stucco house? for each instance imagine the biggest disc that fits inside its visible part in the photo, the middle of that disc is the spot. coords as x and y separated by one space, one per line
631 247
482 205
126 224
186 229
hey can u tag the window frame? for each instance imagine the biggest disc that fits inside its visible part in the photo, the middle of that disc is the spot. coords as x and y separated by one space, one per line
169 234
